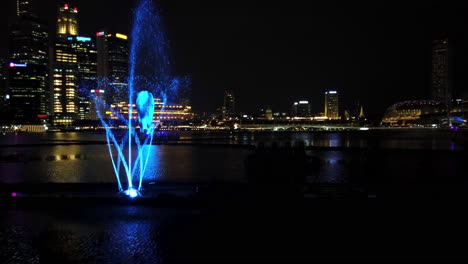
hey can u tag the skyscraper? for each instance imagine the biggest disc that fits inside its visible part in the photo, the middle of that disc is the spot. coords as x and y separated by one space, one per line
229 105
112 65
86 54
64 83
65 68
67 22
301 109
332 105
28 66
440 77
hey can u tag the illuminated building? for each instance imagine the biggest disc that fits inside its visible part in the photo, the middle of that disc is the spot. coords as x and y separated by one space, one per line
162 112
301 109
112 64
407 111
86 54
28 66
332 105
96 95
73 77
440 75
67 22
65 74
269 114
228 110
74 69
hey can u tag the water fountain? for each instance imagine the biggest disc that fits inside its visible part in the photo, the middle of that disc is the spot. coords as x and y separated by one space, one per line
149 78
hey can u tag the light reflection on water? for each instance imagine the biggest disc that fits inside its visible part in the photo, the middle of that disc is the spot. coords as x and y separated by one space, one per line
114 234
90 163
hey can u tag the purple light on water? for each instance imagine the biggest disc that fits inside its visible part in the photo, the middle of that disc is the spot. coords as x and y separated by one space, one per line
163 134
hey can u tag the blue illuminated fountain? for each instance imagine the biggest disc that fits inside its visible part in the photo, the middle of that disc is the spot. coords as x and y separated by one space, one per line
149 78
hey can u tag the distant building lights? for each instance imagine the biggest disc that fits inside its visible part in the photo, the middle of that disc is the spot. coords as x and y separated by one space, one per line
83 39
121 36
303 102
12 65
99 34
13 194
65 6
332 92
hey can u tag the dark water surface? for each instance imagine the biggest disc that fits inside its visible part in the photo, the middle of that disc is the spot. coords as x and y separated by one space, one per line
217 157
269 230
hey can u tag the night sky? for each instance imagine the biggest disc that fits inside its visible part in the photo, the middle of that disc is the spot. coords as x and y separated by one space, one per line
274 52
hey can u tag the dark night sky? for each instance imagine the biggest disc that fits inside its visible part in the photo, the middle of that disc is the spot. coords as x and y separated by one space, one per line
274 52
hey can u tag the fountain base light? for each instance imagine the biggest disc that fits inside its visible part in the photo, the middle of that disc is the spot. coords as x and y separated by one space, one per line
132 193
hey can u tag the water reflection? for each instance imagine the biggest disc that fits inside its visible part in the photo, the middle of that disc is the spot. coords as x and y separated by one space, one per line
133 238
90 163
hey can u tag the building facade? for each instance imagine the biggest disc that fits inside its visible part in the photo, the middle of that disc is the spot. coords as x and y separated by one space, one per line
112 65
67 21
24 8
28 66
441 89
301 109
65 68
229 105
162 112
64 82
86 54
332 105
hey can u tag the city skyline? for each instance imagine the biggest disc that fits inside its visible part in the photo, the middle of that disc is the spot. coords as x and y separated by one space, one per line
265 60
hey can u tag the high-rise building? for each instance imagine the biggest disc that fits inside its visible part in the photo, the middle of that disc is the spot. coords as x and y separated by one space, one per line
65 75
332 105
301 109
65 68
86 54
112 65
67 21
28 66
440 76
229 105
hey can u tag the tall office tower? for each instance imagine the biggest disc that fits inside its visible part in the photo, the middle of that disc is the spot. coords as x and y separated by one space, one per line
28 66
229 105
86 54
440 81
332 105
112 65
67 22
300 109
64 83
